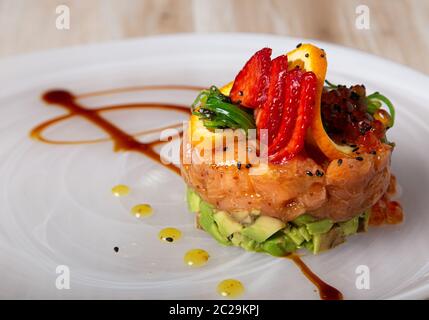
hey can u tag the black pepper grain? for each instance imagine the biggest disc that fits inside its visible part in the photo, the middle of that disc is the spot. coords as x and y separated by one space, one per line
355 149
248 166
239 165
298 45
319 173
116 249
307 55
309 173
359 158
373 152
169 239
340 162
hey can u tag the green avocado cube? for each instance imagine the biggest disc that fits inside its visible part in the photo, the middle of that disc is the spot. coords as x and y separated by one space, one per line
206 208
263 228
226 224
236 238
249 244
289 245
275 246
206 219
208 223
193 200
318 227
304 233
350 227
296 236
303 220
218 236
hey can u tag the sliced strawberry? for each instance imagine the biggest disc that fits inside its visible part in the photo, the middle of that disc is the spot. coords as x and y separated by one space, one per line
251 83
304 117
291 102
270 114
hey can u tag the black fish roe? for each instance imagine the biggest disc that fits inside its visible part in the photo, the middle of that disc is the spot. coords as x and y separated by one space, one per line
345 116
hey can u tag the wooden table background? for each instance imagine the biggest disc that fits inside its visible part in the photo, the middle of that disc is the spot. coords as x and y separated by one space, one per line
399 29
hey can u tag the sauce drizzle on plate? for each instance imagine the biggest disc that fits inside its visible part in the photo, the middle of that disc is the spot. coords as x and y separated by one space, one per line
122 140
326 292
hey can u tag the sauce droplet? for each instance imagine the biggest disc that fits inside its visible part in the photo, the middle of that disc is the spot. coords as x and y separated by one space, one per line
196 257
142 210
120 190
230 288
170 234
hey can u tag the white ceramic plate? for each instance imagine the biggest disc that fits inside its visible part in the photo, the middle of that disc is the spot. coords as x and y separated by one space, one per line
56 207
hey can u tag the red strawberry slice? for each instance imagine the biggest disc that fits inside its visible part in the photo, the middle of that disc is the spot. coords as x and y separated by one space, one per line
251 83
270 114
304 117
292 96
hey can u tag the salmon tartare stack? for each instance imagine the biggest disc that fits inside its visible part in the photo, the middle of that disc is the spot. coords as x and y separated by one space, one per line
316 162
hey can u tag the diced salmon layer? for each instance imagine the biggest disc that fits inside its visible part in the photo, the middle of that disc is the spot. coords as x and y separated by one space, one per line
339 190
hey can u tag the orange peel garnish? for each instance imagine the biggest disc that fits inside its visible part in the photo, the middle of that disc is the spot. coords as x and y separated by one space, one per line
312 58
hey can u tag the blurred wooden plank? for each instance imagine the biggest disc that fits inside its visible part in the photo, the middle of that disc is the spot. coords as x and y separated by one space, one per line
399 28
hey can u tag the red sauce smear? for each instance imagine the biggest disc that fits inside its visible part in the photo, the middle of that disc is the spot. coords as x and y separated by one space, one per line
326 292
124 141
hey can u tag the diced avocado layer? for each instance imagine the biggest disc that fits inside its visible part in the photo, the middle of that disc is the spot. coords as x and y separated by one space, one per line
318 227
271 235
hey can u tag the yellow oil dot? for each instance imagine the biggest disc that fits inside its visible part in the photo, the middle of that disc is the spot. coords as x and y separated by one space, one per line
196 257
120 190
230 288
169 234
142 210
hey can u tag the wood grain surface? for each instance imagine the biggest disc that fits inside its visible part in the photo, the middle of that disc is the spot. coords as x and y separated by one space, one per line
399 29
